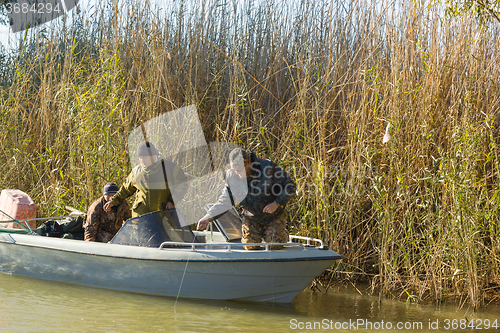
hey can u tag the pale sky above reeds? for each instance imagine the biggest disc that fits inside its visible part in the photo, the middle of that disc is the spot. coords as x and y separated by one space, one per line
9 39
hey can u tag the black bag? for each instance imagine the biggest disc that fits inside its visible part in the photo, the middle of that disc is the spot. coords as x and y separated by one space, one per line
72 229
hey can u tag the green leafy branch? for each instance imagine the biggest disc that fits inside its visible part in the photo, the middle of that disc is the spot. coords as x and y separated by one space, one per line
484 9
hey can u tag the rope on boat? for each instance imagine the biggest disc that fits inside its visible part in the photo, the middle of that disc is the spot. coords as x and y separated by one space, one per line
182 279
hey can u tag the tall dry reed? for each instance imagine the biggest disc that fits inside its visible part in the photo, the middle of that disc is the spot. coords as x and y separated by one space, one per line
310 84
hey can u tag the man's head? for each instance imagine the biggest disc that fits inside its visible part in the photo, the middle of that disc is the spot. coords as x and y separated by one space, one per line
109 190
239 160
147 153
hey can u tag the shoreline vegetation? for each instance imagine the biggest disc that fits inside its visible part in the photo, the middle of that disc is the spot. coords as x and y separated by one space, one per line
313 85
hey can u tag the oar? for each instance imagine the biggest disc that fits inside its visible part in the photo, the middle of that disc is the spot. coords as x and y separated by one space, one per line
27 228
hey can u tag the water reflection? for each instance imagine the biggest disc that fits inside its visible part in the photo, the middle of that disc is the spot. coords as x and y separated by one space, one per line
345 305
33 305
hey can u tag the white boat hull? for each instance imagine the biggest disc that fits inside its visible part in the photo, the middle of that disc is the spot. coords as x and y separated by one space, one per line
207 273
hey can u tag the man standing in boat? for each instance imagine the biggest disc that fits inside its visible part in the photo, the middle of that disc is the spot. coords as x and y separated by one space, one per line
262 189
151 182
101 226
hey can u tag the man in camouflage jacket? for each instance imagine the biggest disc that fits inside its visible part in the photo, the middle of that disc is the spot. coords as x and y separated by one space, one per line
151 182
262 189
101 226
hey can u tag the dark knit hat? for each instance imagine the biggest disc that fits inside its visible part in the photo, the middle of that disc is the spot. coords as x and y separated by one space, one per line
239 154
110 188
146 149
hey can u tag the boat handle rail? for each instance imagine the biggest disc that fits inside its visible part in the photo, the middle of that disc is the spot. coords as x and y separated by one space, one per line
27 226
308 239
39 219
229 246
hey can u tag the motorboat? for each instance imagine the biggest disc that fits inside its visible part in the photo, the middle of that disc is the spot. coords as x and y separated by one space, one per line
158 254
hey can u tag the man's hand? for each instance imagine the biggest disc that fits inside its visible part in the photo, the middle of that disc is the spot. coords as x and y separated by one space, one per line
271 207
107 206
202 224
170 205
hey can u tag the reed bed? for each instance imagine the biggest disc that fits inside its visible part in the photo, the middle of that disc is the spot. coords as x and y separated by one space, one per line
312 85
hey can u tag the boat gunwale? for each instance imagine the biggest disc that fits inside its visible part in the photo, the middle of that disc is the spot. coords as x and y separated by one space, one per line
334 256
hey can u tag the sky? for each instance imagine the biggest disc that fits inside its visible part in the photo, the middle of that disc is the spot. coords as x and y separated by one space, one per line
7 35
10 39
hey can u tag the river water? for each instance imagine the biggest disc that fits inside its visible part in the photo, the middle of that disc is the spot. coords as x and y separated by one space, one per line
34 305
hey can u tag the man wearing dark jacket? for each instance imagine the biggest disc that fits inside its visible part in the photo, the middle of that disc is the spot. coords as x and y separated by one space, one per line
101 226
263 189
151 182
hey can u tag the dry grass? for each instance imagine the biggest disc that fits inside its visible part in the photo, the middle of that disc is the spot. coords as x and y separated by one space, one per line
312 88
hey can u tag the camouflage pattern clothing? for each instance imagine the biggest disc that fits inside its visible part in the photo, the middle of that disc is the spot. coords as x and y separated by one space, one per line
273 232
152 191
101 226
266 182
